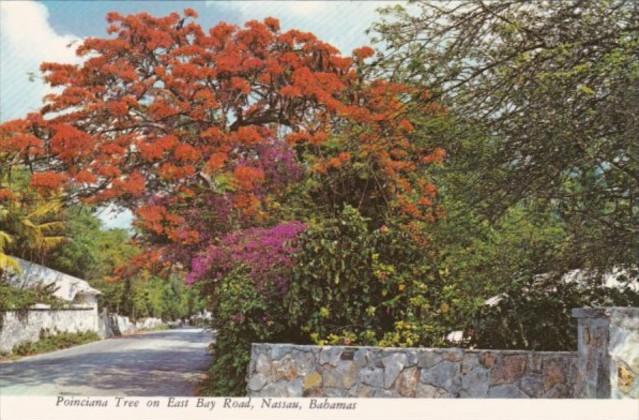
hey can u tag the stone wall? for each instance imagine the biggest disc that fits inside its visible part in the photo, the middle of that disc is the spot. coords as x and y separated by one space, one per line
608 346
605 365
113 325
149 323
278 370
17 328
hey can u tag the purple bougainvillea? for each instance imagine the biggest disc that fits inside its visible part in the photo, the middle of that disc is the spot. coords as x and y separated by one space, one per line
279 163
265 252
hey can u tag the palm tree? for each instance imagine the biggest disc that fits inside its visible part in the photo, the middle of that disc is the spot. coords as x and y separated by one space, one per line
30 232
6 262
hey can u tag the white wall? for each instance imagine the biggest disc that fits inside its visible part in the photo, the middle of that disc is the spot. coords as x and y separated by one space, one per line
20 328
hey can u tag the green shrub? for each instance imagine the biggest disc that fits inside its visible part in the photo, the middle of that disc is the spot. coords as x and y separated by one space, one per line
243 315
349 284
352 284
54 341
20 300
536 315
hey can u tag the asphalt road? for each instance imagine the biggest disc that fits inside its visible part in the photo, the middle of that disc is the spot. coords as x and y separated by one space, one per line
169 362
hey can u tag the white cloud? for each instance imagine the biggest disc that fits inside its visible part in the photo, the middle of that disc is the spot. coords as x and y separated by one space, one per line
26 40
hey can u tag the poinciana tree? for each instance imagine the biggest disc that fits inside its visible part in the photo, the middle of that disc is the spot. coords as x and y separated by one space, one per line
198 131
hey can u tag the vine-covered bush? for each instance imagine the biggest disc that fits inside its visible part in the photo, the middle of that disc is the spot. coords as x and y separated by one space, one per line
352 284
336 281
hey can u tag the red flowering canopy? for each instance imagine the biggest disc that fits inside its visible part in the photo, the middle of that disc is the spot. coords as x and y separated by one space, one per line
163 110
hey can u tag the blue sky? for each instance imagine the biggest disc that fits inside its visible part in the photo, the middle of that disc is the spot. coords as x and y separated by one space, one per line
35 31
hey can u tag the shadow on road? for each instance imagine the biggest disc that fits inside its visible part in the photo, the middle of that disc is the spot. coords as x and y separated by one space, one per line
169 335
158 363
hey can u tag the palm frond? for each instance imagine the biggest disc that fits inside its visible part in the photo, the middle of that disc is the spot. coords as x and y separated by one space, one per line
5 239
50 226
44 209
48 242
8 263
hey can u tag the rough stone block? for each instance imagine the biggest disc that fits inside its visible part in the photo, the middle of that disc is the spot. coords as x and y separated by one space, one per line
312 381
280 351
393 365
257 382
330 355
487 359
429 391
362 357
553 371
558 391
343 376
475 383
263 364
407 382
506 391
444 375
508 369
372 376
336 392
274 389
535 361
295 388
533 386
453 355
470 362
285 368
625 378
362 391
428 358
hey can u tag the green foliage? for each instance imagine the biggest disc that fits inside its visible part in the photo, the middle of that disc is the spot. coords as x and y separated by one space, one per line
174 298
483 258
353 284
95 255
54 341
30 227
243 315
16 299
91 253
544 102
148 295
541 174
535 314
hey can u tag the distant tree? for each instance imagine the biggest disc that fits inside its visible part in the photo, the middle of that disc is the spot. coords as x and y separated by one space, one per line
91 251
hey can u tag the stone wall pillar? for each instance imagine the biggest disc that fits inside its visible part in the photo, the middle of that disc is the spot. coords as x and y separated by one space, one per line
608 352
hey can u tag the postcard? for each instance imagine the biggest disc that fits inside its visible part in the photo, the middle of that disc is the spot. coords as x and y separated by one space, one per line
301 209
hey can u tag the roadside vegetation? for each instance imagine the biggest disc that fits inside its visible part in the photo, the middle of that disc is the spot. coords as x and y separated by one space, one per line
16 299
51 341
